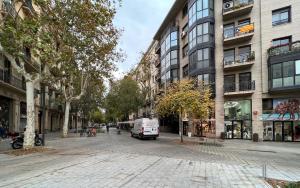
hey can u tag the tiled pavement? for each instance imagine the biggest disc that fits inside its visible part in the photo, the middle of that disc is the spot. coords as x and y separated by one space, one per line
112 160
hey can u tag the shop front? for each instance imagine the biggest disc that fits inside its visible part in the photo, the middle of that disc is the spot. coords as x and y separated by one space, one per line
5 113
281 120
238 119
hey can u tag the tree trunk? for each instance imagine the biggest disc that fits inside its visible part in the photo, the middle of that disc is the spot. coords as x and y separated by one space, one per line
30 126
66 121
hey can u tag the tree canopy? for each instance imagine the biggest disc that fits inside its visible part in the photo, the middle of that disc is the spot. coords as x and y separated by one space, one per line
123 99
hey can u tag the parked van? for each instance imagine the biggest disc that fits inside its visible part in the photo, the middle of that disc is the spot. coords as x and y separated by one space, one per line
145 128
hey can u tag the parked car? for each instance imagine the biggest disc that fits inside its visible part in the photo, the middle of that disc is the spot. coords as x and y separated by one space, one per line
145 128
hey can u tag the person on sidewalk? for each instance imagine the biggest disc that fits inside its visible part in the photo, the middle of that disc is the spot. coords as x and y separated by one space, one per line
107 128
2 131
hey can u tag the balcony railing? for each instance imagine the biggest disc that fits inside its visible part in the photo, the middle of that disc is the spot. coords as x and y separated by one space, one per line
284 49
235 5
238 31
12 80
239 60
8 8
239 87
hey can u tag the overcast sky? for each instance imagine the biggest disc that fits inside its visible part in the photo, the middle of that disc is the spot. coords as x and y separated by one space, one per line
140 20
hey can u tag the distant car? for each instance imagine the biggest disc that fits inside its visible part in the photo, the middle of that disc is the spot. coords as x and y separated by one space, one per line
145 128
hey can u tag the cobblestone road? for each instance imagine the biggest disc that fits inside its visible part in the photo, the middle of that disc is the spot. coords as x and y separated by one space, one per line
121 161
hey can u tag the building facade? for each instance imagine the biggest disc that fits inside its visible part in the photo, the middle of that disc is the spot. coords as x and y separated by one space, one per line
248 51
13 87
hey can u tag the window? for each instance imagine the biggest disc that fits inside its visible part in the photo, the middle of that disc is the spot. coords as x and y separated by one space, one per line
168 75
192 38
163 65
229 57
203 79
281 41
185 28
168 60
245 81
282 44
244 53
276 75
229 83
163 48
173 57
185 10
185 51
168 45
203 58
288 73
173 39
192 14
200 9
281 16
244 22
297 67
174 74
229 31
202 33
185 71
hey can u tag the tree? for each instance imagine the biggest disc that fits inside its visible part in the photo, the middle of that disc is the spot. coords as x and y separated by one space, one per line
85 39
21 44
97 116
123 99
186 97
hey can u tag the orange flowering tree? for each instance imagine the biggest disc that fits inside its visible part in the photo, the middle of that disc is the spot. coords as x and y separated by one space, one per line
186 97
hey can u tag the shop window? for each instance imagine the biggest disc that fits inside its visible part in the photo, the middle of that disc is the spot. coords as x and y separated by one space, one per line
297 131
268 131
281 16
237 110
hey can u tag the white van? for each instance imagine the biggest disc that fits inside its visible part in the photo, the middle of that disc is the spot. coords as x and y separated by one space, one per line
145 128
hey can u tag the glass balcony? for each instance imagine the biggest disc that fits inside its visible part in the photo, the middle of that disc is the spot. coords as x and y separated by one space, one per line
241 88
240 61
236 34
235 8
285 49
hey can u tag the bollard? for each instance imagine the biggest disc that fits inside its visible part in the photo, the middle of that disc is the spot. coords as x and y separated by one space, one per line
264 171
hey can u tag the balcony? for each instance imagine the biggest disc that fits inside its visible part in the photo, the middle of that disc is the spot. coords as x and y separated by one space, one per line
240 62
286 49
12 81
27 6
30 65
157 63
241 88
238 34
235 8
8 8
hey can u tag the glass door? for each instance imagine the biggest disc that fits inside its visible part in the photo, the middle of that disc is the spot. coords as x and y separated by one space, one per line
228 128
278 131
288 131
237 129
245 81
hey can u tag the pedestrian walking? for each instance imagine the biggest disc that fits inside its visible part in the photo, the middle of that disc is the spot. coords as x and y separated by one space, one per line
107 128
2 131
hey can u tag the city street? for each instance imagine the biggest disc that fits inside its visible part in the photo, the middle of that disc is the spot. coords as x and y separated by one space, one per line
112 160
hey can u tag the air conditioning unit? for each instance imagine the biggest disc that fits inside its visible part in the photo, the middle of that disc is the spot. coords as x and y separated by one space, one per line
228 5
183 34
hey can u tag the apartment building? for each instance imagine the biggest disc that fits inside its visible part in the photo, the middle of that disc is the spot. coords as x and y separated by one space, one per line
13 87
145 74
248 51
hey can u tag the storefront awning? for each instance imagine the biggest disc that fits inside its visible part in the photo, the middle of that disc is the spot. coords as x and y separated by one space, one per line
280 117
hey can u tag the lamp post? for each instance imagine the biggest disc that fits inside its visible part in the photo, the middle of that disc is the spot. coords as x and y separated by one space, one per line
43 87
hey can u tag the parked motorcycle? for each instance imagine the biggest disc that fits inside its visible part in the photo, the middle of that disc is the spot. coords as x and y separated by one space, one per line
17 142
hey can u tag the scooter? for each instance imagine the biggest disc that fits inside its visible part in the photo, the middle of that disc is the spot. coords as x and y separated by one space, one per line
17 142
